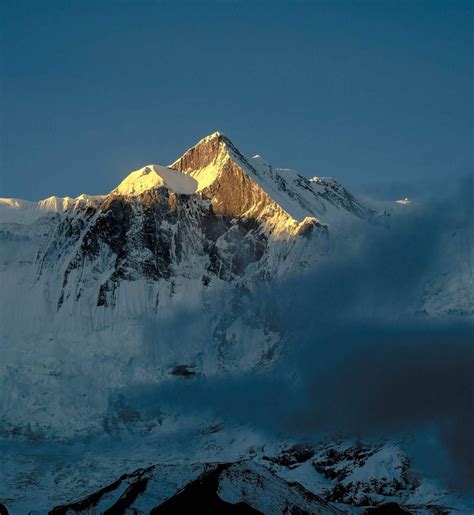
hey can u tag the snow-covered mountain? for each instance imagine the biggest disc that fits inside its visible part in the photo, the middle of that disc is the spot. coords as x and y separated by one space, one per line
94 279
157 279
166 239
88 282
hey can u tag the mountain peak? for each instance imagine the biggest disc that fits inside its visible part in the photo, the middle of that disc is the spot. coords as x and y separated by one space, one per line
208 151
207 158
214 135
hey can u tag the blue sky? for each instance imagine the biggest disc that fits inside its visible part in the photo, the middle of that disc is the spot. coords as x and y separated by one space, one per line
377 94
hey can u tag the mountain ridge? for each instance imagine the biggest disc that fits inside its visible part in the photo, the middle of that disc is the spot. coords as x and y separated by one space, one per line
207 162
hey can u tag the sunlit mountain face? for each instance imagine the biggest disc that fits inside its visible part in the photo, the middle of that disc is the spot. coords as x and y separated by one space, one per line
225 333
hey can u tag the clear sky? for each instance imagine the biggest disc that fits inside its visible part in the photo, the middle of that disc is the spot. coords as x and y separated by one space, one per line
371 93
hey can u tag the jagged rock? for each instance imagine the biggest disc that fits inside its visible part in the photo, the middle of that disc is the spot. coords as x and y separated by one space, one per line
237 488
294 455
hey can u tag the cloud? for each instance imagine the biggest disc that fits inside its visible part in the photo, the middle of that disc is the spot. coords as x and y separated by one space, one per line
356 361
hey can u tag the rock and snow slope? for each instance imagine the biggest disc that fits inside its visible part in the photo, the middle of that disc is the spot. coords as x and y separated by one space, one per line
338 477
241 487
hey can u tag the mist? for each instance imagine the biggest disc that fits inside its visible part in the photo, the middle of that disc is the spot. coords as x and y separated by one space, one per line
361 358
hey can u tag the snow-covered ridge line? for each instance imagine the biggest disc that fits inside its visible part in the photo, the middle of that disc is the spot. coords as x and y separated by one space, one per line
14 210
236 185
156 176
